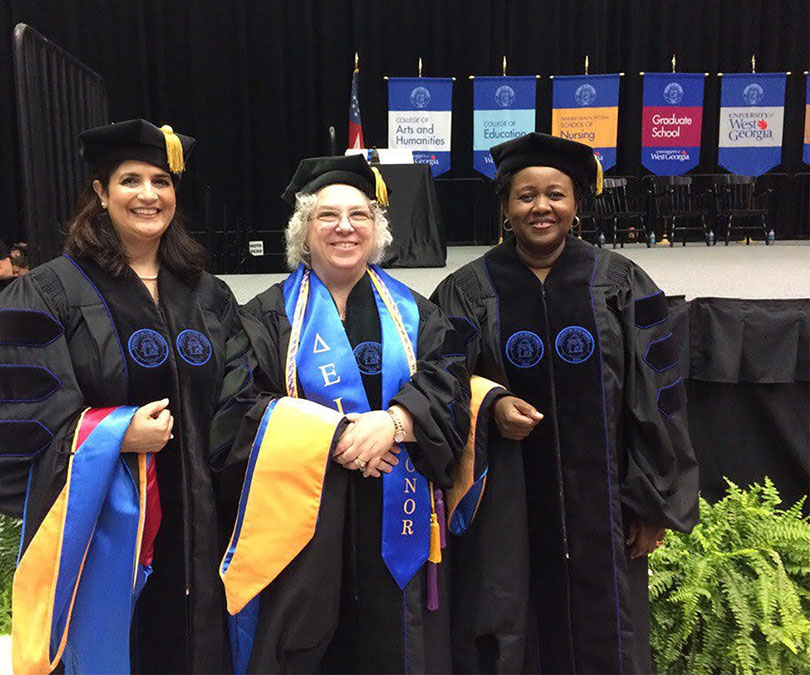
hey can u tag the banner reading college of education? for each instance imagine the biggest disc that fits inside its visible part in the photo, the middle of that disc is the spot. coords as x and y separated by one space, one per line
419 118
752 109
503 109
586 109
806 155
671 120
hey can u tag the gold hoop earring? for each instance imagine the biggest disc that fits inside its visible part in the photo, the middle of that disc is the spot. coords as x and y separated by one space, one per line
505 223
577 222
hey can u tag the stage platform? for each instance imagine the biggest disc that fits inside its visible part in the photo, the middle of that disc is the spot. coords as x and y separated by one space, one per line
754 272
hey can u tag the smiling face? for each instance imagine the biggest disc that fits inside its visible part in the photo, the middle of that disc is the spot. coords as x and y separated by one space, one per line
140 200
340 235
541 207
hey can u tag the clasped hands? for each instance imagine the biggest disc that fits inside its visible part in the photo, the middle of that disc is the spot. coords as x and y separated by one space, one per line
368 444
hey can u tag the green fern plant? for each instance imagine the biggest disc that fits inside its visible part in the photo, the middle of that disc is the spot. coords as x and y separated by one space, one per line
9 541
734 595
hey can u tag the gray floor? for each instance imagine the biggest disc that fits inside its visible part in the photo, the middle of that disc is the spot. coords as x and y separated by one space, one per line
735 271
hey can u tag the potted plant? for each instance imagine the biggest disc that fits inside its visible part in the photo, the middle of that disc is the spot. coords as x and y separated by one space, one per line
734 595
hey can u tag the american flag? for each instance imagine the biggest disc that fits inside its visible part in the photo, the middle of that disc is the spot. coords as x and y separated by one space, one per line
355 123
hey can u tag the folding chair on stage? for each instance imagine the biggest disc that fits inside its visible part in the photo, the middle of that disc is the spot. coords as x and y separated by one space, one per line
588 227
619 204
736 198
680 209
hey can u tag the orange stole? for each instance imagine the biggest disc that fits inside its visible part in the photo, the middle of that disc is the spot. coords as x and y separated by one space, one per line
34 586
284 497
463 472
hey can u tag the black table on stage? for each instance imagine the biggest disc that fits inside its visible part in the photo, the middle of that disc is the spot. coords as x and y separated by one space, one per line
414 216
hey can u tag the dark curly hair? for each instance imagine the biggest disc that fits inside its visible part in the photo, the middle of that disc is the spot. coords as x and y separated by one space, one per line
91 235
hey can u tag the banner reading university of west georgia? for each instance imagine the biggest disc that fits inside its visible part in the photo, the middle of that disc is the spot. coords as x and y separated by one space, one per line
586 109
419 118
752 110
503 110
671 121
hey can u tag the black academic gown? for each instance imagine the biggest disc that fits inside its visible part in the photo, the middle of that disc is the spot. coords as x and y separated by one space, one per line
101 355
336 607
592 349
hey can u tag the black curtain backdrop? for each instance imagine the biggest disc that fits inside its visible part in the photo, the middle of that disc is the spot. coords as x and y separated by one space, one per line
258 83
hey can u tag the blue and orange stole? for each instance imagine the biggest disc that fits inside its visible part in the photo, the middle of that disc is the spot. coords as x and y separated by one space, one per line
291 450
77 582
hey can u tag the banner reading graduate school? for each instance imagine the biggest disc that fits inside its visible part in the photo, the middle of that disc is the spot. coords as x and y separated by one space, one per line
419 118
752 110
671 122
586 109
503 110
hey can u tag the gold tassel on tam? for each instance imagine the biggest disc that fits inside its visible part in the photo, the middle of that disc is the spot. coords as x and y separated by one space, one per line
380 187
435 554
174 149
600 178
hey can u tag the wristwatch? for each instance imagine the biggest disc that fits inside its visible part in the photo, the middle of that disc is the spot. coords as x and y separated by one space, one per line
399 430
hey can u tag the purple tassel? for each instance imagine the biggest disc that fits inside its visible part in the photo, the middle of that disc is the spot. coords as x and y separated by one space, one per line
440 515
433 587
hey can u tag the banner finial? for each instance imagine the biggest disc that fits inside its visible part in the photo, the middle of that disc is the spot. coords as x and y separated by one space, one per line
504 65
753 63
673 63
420 66
586 64
356 60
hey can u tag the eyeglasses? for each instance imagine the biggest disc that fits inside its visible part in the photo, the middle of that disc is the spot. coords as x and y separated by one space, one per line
333 218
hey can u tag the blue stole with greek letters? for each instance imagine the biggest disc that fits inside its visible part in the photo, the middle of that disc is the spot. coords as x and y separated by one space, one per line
328 372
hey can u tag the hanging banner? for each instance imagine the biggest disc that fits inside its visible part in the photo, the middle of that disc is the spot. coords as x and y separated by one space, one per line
806 155
586 109
752 110
671 121
503 109
419 119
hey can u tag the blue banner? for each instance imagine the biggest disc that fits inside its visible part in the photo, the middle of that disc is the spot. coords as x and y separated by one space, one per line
671 122
503 109
752 111
806 155
420 117
586 109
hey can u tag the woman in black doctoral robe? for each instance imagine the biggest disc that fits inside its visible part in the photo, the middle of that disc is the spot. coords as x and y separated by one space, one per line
580 336
113 356
361 588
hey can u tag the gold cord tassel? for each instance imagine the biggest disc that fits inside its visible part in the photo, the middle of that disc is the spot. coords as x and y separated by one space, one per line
600 178
380 187
174 149
435 554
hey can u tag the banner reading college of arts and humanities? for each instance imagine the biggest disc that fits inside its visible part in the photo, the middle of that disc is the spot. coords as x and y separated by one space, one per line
806 155
752 109
503 109
671 120
419 119
586 109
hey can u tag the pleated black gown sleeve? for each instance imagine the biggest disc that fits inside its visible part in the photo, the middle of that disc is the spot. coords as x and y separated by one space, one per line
40 399
437 396
255 356
491 560
660 481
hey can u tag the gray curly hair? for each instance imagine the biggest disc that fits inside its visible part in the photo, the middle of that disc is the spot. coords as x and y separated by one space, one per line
297 227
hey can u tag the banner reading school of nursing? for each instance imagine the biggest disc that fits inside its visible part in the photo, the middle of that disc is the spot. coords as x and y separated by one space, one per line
503 109
752 111
586 109
671 121
419 119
